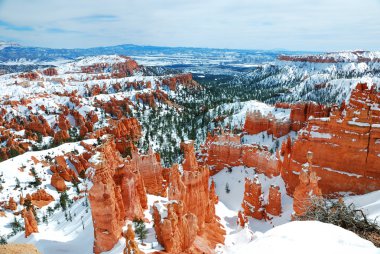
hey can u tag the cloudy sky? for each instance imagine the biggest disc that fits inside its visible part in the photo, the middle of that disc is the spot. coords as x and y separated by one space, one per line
249 24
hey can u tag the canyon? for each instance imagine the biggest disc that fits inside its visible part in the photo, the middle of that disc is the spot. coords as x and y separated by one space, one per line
80 149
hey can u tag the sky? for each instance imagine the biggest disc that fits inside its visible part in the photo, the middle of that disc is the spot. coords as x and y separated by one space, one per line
315 25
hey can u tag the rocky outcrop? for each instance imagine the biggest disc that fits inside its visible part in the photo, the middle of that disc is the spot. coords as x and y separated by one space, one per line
242 220
345 146
151 171
184 79
175 228
300 113
12 205
40 125
50 71
274 201
191 202
124 68
80 164
58 183
124 130
256 122
41 198
253 199
131 246
226 150
117 193
29 222
307 189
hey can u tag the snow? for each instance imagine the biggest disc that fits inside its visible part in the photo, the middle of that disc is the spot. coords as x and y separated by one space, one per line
240 110
315 134
299 237
370 203
230 203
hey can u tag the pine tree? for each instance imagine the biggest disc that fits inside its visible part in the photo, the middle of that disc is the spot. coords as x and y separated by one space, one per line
140 229
63 200
227 188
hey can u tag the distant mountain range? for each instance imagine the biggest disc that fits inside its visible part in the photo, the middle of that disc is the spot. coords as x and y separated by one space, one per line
15 52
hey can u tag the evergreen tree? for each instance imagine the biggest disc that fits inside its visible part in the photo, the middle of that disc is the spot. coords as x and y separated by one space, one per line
140 229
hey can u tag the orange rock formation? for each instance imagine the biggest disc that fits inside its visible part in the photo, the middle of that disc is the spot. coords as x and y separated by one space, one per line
253 199
307 189
345 146
117 193
30 222
226 150
191 209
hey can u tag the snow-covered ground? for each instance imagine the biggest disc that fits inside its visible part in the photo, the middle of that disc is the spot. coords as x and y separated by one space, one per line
298 237
280 234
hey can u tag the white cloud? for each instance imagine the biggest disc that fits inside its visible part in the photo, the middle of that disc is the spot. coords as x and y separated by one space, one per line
261 24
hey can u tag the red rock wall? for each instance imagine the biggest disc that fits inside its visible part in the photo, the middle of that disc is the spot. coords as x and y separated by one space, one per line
177 231
226 150
300 112
345 147
151 172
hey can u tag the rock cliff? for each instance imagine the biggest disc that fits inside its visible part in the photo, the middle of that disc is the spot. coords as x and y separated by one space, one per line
345 146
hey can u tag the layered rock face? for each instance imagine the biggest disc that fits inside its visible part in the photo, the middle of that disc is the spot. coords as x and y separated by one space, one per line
151 172
226 150
184 79
256 122
300 113
118 70
117 193
191 209
176 230
345 146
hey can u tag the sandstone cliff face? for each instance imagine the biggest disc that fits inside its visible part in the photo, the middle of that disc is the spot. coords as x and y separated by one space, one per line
345 146
117 193
191 210
184 79
226 150
256 122
118 70
176 229
300 113
151 172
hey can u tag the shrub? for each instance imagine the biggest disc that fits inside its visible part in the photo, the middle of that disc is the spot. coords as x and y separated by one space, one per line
345 216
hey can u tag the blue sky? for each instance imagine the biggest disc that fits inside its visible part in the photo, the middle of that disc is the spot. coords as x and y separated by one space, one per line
325 25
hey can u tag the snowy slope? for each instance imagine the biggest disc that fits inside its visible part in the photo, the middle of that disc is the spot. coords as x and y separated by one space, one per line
300 237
